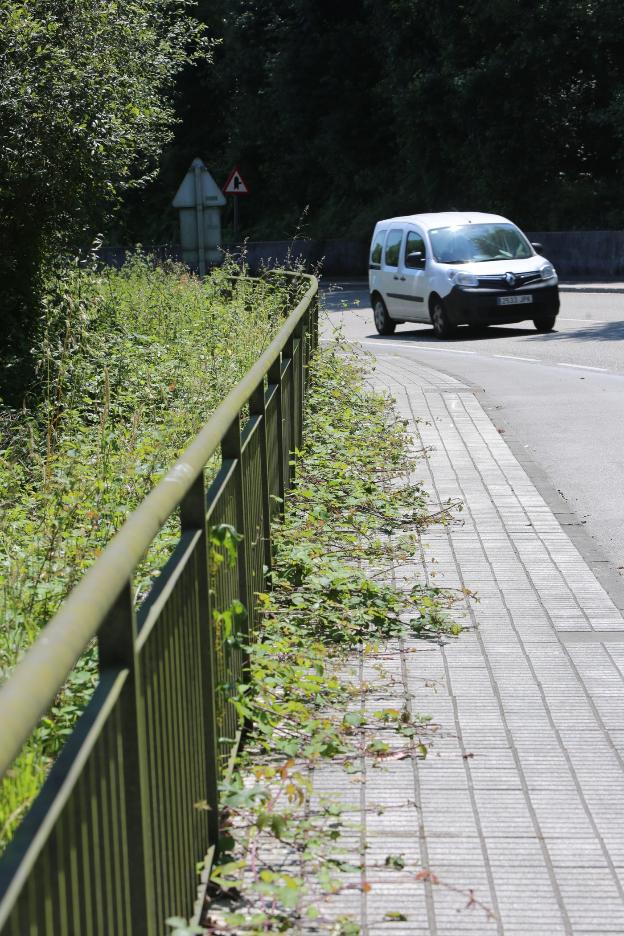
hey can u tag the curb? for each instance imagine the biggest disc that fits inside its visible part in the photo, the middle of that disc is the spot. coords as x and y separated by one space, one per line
591 289
591 552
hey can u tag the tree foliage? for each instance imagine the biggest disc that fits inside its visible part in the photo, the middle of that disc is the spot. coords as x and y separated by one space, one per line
364 109
85 109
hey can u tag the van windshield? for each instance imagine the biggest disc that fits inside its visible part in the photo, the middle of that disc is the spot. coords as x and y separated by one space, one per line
473 243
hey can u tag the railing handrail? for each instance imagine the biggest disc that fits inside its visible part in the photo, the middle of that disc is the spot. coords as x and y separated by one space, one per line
30 690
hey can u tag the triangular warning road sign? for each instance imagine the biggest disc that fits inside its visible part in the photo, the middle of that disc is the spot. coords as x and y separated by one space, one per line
235 184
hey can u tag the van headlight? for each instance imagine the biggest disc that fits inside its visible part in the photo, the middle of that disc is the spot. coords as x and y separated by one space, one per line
459 278
548 271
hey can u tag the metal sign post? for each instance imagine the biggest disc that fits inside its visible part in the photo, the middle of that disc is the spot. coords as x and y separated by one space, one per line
199 219
235 185
199 201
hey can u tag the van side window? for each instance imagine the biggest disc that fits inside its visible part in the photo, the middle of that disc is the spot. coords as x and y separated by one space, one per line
414 243
377 247
393 246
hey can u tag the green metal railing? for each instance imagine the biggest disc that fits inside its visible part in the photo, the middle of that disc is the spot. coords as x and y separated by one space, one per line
111 843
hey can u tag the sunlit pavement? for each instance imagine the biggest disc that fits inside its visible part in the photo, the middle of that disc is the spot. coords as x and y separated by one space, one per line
514 823
557 397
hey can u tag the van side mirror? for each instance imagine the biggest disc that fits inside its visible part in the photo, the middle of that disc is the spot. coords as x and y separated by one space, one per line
538 248
415 259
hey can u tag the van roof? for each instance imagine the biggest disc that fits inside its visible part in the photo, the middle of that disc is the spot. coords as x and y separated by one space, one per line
444 219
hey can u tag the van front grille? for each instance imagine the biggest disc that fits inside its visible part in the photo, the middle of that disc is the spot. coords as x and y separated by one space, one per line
499 281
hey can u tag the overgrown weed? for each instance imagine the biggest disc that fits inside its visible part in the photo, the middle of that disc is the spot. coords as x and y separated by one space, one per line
129 365
352 514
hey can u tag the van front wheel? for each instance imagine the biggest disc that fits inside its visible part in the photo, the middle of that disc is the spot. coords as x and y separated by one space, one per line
442 326
545 323
383 323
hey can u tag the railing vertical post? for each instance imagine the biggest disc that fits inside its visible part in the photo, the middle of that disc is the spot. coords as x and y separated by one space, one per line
117 646
275 380
231 449
288 355
300 333
314 321
307 321
193 517
257 407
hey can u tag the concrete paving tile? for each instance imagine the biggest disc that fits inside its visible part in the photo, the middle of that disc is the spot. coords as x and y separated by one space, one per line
540 720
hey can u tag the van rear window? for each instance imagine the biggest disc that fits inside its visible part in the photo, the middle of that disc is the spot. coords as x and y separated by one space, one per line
393 245
377 247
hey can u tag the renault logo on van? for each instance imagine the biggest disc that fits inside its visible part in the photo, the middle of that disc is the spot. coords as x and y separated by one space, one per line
510 279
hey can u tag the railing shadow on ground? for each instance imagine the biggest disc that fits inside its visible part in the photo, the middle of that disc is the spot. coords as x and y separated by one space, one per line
130 807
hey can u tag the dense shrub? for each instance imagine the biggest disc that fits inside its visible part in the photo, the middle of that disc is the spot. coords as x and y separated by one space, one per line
129 365
86 105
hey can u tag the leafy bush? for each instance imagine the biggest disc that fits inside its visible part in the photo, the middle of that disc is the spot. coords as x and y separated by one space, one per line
85 110
129 365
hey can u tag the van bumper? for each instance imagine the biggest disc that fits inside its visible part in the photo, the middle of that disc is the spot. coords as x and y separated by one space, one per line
480 306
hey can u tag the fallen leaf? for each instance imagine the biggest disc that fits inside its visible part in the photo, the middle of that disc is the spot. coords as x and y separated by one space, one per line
394 755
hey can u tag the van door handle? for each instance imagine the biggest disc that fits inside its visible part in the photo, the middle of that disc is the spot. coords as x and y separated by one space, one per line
402 278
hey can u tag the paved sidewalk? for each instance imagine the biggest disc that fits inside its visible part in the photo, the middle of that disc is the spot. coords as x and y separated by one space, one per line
521 799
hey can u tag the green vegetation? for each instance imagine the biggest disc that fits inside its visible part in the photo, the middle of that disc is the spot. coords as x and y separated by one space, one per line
339 113
351 515
342 113
362 110
85 109
129 366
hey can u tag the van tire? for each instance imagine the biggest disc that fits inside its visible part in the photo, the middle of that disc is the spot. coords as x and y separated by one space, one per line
442 326
544 323
383 323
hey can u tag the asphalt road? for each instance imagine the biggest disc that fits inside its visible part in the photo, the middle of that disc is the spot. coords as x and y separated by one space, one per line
559 397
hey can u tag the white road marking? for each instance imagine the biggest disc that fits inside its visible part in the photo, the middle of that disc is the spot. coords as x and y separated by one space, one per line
581 366
383 345
564 318
516 357
408 345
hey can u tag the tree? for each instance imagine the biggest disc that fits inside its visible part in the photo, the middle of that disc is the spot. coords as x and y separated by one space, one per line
365 109
85 110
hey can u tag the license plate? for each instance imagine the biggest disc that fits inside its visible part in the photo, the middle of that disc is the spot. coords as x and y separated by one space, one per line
514 300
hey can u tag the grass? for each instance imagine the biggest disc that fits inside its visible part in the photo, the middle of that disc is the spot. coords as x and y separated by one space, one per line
129 365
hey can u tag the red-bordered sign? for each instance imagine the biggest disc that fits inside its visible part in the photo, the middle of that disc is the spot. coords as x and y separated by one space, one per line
235 184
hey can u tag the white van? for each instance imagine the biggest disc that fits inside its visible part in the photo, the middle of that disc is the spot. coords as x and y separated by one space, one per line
458 268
